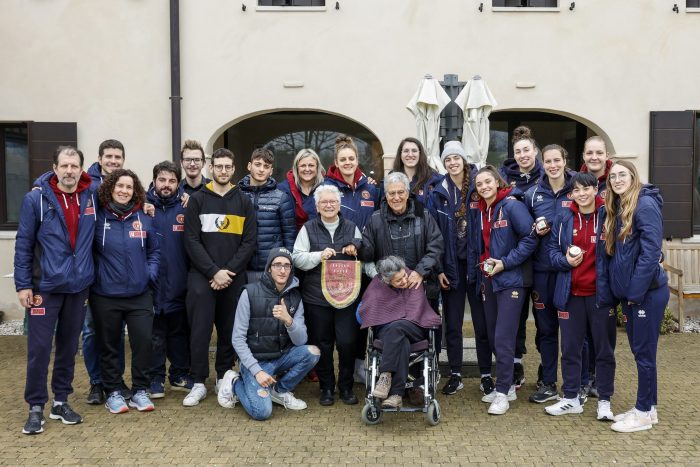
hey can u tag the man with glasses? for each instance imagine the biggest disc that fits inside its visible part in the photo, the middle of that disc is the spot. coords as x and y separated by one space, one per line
192 161
269 337
220 238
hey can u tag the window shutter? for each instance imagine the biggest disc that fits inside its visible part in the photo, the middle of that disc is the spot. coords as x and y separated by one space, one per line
44 138
671 151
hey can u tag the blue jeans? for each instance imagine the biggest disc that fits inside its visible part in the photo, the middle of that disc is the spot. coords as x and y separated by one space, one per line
255 399
91 350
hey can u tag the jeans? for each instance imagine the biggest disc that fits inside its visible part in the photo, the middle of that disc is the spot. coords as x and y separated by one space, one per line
255 399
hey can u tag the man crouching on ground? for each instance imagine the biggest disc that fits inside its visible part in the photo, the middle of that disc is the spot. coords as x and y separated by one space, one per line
269 336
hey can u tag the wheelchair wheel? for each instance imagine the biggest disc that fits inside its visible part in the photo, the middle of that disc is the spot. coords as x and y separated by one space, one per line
433 413
371 415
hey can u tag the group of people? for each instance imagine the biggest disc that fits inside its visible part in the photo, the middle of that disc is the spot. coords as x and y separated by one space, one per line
96 252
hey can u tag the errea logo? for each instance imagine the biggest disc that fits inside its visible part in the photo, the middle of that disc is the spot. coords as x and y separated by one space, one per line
539 198
641 314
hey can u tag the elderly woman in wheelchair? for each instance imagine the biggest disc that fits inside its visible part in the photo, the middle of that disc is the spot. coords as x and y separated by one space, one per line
401 323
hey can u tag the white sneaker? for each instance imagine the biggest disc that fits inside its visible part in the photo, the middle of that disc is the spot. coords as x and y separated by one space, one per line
500 404
217 384
635 421
224 395
653 413
198 392
604 412
287 400
490 397
565 406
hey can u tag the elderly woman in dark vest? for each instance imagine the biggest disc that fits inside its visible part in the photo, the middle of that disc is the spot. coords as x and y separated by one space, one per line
401 316
328 236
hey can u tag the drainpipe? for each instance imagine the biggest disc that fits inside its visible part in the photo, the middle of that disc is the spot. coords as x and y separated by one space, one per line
175 97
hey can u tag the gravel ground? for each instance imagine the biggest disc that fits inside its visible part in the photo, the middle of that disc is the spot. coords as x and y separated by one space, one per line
691 325
13 327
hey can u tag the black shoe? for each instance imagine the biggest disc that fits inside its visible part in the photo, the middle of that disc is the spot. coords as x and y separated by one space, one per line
348 397
35 422
539 376
518 375
546 392
96 396
64 413
453 385
125 391
487 385
326 397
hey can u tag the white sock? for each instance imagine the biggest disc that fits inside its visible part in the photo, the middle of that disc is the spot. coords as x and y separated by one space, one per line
517 360
486 375
57 403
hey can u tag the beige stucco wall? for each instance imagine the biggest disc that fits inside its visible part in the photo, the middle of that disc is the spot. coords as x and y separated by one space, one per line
105 65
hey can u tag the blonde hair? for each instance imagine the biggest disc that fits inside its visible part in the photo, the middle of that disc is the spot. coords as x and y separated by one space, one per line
321 172
622 206
595 139
345 142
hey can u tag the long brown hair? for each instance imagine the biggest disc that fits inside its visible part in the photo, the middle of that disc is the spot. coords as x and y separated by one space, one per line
622 206
423 169
496 176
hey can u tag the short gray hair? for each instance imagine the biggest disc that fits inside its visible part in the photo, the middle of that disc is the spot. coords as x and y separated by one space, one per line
397 177
388 266
321 189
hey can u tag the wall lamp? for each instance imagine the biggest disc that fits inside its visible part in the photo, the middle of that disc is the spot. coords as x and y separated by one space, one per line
243 7
675 7
572 6
481 7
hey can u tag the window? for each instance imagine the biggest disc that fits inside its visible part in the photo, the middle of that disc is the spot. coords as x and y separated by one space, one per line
526 3
26 152
14 170
291 3
692 3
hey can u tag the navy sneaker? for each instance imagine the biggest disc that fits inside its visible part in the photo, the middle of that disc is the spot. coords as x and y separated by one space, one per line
125 391
66 414
96 396
157 390
182 383
546 392
35 422
453 385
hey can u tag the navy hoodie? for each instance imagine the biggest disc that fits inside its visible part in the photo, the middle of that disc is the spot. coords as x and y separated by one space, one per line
95 172
634 268
127 254
169 225
541 201
510 171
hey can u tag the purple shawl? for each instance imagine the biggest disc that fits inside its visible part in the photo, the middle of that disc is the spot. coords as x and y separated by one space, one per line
382 304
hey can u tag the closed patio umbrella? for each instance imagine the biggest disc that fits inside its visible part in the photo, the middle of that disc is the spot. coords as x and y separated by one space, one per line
477 102
426 106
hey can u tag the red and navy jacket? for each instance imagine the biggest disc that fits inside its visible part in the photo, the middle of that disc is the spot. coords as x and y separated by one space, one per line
443 210
541 201
511 240
169 225
44 259
357 202
127 254
557 245
635 267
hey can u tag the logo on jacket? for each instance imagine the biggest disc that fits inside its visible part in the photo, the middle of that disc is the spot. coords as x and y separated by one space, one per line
539 198
535 295
89 208
37 311
475 196
222 223
137 225
566 204
180 218
365 194
575 232
513 183
563 315
642 314
570 195
514 294
37 300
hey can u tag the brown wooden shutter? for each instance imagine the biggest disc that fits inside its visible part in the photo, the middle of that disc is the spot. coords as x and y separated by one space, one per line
43 139
671 155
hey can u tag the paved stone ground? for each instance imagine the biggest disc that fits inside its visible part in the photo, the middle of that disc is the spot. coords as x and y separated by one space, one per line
207 434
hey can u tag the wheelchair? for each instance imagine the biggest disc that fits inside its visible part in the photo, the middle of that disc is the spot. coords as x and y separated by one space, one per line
423 373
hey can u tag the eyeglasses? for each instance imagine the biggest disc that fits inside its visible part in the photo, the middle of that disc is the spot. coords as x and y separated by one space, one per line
223 168
328 202
189 160
621 175
281 266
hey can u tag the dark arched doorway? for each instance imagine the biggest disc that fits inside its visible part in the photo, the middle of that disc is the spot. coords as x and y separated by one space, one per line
287 132
547 128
